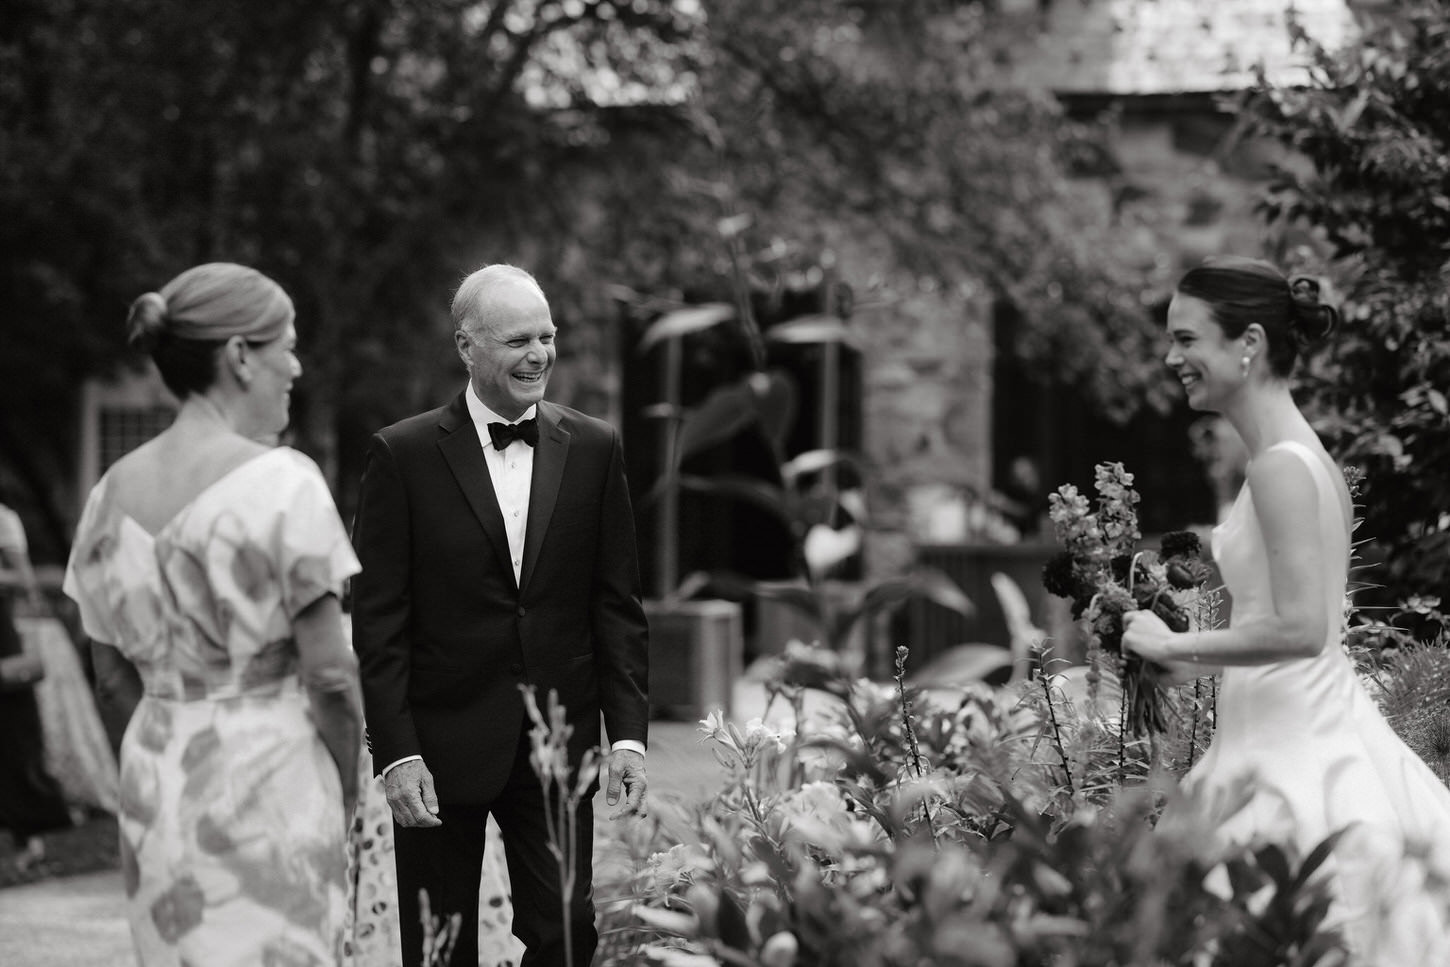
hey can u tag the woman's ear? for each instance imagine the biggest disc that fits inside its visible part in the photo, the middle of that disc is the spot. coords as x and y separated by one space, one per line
234 356
1255 340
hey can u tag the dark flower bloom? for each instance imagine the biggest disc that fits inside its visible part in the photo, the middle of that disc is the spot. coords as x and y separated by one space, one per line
1120 566
1185 574
1173 616
1179 544
1143 596
1059 576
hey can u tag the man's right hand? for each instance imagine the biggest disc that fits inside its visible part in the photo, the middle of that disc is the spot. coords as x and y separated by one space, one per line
409 788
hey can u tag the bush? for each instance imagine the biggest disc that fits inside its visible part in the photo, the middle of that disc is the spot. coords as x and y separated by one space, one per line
967 826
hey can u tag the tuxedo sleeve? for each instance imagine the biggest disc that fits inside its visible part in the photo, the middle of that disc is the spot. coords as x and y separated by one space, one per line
380 603
621 632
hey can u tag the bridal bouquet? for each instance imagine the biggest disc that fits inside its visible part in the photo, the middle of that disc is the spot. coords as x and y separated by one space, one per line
1104 573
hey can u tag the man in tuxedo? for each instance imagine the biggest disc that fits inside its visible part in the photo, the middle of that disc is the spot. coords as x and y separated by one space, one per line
498 549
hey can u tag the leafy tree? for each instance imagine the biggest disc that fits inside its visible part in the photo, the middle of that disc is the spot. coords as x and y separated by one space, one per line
368 153
1375 126
364 153
885 126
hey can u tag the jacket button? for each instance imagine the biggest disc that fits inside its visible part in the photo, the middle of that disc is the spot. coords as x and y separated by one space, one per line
516 668
522 611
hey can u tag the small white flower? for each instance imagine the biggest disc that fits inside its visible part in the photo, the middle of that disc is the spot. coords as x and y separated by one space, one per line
780 950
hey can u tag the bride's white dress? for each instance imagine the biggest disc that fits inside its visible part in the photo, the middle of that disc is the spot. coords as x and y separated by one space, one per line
1323 758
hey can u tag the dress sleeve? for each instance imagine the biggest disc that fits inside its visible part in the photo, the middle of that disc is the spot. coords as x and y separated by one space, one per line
315 555
85 570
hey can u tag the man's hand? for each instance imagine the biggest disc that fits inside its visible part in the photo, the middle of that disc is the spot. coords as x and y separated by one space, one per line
626 769
409 788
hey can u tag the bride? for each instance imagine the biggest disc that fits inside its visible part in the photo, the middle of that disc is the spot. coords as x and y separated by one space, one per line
1293 717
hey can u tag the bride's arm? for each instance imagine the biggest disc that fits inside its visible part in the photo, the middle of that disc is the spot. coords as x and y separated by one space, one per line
1286 502
1183 672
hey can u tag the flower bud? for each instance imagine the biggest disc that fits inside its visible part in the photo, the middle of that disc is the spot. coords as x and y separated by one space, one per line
780 950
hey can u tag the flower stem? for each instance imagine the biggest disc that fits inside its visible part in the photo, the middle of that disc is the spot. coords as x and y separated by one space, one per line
1057 735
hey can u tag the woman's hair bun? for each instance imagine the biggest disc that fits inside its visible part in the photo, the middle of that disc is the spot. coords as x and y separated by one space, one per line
146 321
1312 319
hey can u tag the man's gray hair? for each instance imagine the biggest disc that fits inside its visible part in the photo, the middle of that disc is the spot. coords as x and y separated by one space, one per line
475 292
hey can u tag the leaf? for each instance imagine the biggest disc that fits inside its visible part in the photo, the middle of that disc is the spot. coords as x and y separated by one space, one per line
668 921
815 461
825 547
725 412
772 858
813 330
733 225
682 322
1314 860
750 490
671 957
1273 862
923 582
734 931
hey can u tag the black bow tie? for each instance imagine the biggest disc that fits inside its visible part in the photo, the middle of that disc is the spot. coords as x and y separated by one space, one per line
502 434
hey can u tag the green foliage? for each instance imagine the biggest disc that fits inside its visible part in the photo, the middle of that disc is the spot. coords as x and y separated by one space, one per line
1411 682
367 154
900 827
1375 127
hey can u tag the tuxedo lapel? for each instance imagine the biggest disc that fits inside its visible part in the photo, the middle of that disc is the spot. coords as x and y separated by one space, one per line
464 455
549 458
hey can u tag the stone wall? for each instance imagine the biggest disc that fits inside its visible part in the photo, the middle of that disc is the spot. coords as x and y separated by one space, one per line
927 390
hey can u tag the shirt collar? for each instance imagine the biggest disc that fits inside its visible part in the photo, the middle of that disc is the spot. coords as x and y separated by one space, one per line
482 416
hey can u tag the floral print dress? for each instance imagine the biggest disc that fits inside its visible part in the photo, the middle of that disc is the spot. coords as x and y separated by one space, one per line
232 830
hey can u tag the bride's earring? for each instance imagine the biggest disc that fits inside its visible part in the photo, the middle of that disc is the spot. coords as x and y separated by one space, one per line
1244 365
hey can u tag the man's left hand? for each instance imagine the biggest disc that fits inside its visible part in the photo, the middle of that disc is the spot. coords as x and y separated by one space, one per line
626 770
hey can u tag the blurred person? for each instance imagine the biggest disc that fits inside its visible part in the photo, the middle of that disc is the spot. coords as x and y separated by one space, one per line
31 803
498 549
1025 499
213 564
1293 719
78 752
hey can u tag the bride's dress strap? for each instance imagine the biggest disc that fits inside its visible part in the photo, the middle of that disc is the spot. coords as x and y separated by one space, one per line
1323 480
1308 455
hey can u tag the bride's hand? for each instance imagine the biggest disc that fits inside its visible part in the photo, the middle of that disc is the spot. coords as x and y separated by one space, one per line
1145 635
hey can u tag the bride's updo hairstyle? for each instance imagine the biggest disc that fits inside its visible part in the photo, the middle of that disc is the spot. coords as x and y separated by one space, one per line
194 314
1242 291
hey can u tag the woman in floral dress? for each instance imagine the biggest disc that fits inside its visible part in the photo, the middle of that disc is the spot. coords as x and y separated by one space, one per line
211 562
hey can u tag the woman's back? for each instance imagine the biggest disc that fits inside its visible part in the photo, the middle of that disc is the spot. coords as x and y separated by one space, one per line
154 482
224 779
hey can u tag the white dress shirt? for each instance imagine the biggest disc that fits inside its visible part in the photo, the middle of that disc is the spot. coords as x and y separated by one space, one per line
512 472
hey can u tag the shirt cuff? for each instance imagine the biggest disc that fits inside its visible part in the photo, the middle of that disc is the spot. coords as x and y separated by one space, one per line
393 765
632 745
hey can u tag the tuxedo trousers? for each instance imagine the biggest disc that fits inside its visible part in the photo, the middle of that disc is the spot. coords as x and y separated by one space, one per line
446 862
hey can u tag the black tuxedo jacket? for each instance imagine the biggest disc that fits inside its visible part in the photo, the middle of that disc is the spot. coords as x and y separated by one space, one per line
444 634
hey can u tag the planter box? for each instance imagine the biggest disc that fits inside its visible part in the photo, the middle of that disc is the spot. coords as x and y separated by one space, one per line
695 657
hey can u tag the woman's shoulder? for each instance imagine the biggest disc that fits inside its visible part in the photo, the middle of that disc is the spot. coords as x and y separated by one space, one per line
1283 468
1293 475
